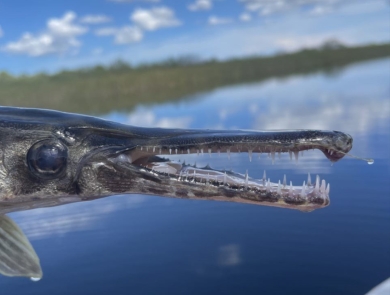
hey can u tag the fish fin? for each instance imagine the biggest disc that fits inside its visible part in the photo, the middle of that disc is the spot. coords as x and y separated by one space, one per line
17 256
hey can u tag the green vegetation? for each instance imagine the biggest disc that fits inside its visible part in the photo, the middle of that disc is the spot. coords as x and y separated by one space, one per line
120 86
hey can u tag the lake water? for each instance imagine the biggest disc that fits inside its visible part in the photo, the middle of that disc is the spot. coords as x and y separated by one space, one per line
134 244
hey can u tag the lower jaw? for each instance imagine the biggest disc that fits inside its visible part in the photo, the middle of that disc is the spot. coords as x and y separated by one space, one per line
207 183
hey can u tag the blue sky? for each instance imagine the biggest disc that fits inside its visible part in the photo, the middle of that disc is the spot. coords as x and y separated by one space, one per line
51 35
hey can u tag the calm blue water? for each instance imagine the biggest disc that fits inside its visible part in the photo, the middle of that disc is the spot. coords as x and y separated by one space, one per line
137 244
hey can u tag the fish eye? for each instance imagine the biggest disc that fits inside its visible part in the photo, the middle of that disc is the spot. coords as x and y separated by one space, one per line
47 159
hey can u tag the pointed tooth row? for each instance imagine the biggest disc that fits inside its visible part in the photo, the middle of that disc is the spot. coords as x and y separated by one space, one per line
321 189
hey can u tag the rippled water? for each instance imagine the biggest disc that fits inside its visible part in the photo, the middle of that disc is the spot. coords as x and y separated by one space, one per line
137 244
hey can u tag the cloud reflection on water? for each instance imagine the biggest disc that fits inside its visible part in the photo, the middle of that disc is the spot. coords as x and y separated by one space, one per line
58 221
354 100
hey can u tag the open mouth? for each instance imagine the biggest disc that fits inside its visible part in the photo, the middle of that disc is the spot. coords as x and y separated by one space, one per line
154 158
316 192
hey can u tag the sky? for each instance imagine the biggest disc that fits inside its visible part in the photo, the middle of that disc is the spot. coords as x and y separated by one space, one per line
49 36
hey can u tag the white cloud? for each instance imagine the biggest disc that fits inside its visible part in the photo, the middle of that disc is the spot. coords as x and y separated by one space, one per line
129 1
267 7
59 37
200 5
245 17
1 32
128 35
294 43
155 18
64 26
214 20
95 19
124 35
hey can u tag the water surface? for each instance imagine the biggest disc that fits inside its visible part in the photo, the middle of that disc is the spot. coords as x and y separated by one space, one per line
136 244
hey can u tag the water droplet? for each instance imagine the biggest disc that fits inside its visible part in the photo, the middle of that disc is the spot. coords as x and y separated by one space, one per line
370 161
35 279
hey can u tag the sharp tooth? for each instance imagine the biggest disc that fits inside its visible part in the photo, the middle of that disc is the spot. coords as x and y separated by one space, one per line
142 148
250 155
308 179
268 185
327 189
180 175
201 150
176 151
210 152
224 178
188 151
228 153
279 191
264 176
303 192
170 151
246 179
290 191
323 185
296 154
284 181
317 187
207 178
154 149
331 152
290 153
